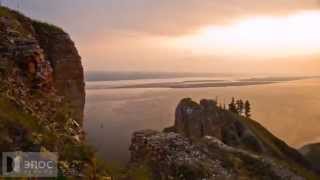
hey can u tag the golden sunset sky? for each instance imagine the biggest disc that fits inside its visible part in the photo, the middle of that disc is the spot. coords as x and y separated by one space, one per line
233 36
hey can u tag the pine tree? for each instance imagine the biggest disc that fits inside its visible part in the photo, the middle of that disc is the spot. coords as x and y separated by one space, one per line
232 106
240 107
247 109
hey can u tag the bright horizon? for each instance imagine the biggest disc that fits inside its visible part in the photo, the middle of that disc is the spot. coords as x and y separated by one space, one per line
172 36
260 37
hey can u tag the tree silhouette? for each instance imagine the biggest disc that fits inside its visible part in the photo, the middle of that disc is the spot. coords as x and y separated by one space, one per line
232 106
247 109
240 106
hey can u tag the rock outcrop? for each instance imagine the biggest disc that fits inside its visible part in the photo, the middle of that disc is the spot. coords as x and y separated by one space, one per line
209 142
207 119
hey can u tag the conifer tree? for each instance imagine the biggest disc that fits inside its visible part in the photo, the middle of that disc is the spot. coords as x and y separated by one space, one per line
232 106
247 109
240 107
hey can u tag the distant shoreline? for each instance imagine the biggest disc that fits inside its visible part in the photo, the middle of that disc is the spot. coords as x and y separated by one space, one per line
182 86
211 83
118 76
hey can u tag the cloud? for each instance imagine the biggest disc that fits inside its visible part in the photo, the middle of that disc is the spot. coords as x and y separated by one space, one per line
173 17
163 17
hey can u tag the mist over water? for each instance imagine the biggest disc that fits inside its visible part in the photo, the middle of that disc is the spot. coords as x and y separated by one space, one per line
290 110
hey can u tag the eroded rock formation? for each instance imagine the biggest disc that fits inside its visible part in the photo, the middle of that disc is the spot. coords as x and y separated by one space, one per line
207 119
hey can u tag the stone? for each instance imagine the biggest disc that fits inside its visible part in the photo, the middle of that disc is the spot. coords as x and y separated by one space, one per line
173 156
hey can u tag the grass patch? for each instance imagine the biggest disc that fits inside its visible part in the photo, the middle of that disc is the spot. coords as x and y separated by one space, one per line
4 11
46 27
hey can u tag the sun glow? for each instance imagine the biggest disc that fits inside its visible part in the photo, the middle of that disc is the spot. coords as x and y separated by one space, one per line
297 34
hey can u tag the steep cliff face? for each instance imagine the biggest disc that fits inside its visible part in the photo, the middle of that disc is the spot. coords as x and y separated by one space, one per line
210 142
60 50
41 92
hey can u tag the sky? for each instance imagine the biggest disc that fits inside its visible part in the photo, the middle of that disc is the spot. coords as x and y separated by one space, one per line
234 36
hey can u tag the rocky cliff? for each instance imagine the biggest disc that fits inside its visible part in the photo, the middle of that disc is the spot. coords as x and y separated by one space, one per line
207 119
68 76
41 92
209 142
24 40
